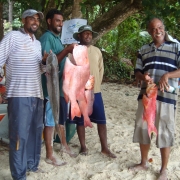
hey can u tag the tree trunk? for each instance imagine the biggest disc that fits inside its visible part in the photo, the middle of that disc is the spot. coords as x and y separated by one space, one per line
115 16
1 22
10 11
76 10
46 7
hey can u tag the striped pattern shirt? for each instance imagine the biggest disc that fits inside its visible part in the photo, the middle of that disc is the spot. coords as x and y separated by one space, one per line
158 61
23 59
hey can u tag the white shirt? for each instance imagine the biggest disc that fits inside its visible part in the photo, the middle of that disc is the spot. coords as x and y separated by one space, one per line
23 59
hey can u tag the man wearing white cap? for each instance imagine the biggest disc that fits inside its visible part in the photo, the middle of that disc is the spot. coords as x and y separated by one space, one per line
21 53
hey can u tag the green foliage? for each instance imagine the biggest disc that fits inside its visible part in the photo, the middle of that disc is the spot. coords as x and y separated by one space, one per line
168 10
16 24
7 27
124 40
116 70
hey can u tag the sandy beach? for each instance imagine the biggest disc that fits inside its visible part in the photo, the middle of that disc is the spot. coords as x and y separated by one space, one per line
120 106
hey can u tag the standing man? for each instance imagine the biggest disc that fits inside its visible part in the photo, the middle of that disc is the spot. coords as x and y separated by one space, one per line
50 40
21 53
160 60
85 35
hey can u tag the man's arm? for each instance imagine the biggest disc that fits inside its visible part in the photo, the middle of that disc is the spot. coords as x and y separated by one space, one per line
143 77
65 51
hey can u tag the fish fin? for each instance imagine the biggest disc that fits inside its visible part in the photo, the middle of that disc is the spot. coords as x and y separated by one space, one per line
87 122
66 97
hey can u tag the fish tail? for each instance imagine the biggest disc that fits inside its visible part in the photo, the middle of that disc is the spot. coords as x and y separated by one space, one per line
66 97
151 130
75 111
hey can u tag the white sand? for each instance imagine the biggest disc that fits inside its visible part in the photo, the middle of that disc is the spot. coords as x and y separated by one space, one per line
120 106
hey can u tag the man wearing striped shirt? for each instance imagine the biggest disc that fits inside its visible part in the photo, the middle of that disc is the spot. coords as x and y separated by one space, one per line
160 60
21 53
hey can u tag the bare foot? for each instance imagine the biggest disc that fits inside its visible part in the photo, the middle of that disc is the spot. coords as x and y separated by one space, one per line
108 154
139 167
163 175
55 161
68 151
83 152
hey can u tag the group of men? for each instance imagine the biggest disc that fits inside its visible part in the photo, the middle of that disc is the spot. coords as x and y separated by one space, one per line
25 59
28 102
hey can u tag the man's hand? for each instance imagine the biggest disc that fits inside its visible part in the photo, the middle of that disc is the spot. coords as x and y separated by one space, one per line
147 78
70 47
163 82
45 57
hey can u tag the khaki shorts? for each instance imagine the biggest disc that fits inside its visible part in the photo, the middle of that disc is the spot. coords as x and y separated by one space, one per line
165 124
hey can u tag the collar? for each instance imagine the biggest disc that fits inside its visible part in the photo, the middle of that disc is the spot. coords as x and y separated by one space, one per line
56 36
24 32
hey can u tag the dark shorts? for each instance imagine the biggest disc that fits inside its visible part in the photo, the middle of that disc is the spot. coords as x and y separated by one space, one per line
98 115
48 116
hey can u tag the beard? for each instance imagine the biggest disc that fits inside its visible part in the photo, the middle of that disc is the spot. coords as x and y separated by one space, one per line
32 30
56 30
85 42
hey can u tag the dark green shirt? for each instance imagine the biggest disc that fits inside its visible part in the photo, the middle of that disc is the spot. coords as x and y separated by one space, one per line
50 41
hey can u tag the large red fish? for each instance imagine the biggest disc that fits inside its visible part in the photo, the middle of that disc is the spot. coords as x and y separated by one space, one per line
76 75
149 103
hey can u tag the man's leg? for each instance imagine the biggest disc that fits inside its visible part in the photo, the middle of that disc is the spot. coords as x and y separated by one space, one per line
165 152
48 138
65 148
102 131
62 131
81 136
144 148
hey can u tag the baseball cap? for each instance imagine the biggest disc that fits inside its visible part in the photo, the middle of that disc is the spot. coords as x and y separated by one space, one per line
32 12
82 29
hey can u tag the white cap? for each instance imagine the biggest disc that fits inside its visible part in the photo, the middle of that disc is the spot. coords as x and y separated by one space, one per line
32 12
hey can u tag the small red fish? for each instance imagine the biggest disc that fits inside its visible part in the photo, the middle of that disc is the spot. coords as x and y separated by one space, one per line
149 103
89 94
2 89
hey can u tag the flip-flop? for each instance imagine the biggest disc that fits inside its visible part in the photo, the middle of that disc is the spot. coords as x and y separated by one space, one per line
70 153
163 175
55 163
137 168
39 170
110 155
84 153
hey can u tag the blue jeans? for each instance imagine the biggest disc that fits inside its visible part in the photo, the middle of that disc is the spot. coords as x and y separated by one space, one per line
25 134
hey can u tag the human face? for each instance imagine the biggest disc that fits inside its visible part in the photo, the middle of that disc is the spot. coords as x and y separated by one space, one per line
157 32
55 24
31 24
85 37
